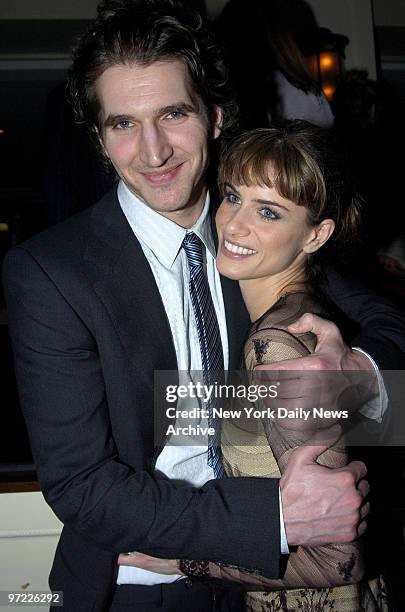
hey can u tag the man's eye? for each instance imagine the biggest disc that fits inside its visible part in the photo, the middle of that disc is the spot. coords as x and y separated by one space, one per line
175 115
123 125
268 214
232 198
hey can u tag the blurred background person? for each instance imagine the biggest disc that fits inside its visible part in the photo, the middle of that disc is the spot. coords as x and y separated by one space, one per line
266 45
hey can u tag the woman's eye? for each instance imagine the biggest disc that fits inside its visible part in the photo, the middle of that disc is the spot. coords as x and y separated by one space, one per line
268 214
232 198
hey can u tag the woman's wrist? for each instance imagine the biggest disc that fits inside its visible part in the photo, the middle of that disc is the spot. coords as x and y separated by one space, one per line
194 568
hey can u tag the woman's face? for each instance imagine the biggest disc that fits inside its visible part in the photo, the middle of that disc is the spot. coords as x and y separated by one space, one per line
261 233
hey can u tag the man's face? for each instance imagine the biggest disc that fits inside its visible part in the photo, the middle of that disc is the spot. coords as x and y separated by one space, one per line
155 132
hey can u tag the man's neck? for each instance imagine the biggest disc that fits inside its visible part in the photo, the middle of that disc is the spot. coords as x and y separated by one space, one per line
188 216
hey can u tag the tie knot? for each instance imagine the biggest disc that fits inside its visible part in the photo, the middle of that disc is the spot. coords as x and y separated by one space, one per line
194 249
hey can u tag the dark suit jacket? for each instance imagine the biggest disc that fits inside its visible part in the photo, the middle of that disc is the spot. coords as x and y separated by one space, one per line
89 330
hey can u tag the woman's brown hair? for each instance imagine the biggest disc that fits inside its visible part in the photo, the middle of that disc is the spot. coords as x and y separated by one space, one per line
302 163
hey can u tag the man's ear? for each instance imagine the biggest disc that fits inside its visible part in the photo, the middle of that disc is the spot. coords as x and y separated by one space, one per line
217 120
319 235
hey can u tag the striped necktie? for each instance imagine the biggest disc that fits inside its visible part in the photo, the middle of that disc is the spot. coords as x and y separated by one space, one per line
208 334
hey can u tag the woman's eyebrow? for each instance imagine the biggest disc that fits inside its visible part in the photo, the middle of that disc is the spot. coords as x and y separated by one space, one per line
270 203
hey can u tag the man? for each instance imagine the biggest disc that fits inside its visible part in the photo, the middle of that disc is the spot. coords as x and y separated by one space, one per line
100 302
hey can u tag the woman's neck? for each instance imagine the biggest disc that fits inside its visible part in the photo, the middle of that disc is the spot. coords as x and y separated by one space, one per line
259 294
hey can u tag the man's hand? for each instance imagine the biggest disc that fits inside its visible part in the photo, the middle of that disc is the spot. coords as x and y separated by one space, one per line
331 353
334 377
322 505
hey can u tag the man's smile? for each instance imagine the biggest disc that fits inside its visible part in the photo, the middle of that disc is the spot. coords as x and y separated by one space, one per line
162 177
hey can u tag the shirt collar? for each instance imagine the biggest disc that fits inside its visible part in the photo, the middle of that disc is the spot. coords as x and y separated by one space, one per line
161 235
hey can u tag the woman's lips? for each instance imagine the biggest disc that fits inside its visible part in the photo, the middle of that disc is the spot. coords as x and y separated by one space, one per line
162 177
236 251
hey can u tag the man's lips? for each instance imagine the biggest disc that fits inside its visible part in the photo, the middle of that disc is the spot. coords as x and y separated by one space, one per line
163 176
236 251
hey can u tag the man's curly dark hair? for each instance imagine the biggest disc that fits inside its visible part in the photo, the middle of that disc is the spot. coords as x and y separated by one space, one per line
144 32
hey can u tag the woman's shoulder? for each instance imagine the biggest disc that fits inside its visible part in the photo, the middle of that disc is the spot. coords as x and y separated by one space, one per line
287 309
269 339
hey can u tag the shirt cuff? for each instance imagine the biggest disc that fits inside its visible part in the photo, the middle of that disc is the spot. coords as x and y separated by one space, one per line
283 536
375 408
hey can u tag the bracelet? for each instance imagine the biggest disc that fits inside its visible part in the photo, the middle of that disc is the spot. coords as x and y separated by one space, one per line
194 568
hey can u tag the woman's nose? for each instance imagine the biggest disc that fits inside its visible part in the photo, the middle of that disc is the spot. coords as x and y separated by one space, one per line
237 224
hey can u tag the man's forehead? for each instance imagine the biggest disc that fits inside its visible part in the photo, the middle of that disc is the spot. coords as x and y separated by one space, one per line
163 77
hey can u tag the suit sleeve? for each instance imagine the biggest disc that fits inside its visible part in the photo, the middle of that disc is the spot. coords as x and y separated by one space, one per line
64 401
380 325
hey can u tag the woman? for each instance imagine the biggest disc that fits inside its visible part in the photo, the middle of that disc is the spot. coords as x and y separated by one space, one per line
286 206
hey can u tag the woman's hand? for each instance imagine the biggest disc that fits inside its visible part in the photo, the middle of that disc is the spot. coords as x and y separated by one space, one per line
152 564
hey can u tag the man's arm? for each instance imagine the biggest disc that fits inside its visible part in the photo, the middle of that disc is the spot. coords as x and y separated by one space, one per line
309 565
380 325
65 403
380 335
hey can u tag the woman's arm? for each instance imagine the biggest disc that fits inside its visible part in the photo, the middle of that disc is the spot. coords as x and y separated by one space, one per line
323 566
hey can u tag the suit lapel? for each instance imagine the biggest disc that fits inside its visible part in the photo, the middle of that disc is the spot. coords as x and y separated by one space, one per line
124 281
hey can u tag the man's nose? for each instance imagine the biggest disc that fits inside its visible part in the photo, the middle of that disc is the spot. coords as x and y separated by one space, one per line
154 146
